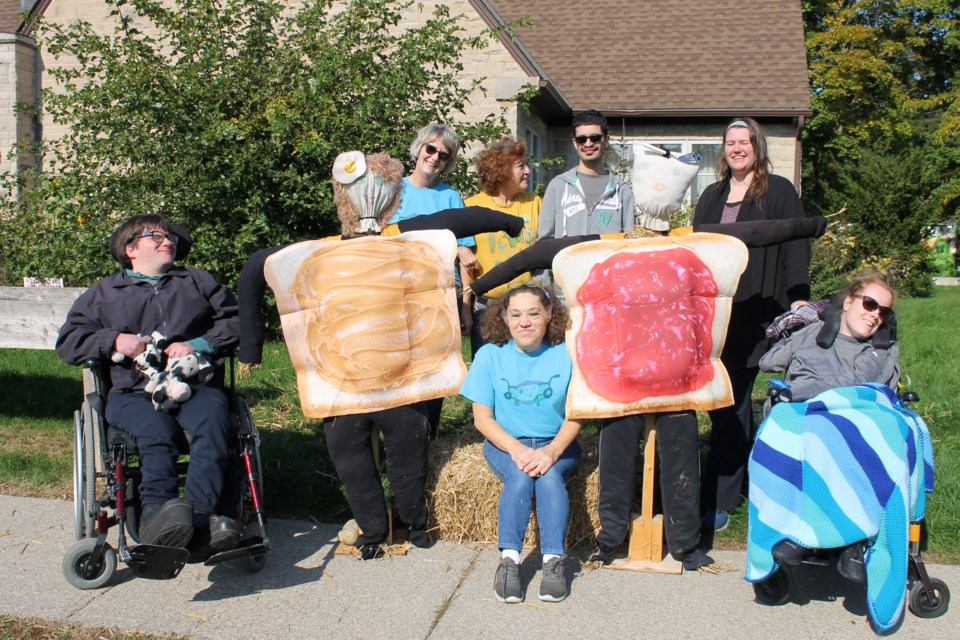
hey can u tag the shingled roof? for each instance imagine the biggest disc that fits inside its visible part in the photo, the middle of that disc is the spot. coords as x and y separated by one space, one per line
668 57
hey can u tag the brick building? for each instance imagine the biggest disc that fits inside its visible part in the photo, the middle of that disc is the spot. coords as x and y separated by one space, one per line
669 73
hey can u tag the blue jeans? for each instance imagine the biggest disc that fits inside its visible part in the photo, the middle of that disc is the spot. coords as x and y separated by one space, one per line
550 489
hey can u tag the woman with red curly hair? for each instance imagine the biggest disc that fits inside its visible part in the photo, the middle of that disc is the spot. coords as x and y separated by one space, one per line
504 175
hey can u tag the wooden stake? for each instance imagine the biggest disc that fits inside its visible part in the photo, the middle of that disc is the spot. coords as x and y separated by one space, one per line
646 530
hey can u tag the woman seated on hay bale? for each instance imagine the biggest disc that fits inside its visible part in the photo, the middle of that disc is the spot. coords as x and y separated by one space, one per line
518 385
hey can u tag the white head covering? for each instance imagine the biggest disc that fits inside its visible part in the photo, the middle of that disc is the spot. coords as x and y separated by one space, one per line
369 192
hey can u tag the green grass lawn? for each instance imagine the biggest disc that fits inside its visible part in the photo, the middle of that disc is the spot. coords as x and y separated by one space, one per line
40 394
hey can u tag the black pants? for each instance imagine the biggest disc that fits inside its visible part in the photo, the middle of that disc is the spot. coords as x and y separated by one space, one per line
678 452
406 433
205 417
730 442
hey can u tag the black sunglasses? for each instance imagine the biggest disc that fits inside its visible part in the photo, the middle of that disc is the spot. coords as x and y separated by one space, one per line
870 305
442 155
593 137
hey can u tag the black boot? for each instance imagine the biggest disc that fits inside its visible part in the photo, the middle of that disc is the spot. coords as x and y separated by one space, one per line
850 564
371 551
224 533
789 552
167 524
600 553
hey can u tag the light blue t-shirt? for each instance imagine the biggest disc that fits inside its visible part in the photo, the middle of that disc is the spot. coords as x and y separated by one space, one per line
528 392
417 201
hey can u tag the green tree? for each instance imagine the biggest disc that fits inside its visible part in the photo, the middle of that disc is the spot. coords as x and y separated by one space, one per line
882 87
226 115
889 200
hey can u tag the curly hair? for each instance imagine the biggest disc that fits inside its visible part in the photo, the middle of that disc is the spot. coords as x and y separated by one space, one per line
861 279
762 167
495 163
132 229
494 328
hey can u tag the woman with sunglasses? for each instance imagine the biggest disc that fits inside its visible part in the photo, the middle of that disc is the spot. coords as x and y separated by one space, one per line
852 343
518 386
857 354
776 278
434 153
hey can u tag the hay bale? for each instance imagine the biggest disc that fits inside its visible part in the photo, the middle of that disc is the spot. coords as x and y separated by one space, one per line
464 493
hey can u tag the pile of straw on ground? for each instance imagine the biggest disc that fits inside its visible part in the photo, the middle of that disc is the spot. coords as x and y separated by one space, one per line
463 494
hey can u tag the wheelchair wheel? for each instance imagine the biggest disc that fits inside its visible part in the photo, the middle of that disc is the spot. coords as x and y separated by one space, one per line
921 605
775 590
253 564
84 474
75 562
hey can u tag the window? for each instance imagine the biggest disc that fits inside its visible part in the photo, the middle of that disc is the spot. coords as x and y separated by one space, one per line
536 155
620 159
708 168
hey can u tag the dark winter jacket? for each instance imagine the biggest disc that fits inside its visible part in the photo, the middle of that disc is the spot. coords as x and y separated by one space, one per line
186 304
775 276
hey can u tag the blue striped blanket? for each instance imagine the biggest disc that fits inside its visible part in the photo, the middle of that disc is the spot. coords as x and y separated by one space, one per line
850 464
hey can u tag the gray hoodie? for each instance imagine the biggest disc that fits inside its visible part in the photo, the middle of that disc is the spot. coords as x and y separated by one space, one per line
563 212
812 370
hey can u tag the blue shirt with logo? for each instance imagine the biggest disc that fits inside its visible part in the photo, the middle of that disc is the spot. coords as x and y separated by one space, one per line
528 392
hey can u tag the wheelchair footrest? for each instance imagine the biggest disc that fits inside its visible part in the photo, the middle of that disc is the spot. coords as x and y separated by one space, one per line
255 551
157 563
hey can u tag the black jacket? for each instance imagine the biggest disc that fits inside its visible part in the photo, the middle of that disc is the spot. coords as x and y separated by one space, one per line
186 304
775 276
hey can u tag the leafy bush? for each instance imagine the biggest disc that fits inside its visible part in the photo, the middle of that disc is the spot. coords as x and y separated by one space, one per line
226 115
886 202
942 259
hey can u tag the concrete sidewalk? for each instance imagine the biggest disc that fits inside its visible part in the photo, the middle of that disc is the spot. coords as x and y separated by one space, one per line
443 592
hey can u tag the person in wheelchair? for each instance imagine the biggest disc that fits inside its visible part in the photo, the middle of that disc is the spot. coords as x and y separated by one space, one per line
843 475
196 314
852 342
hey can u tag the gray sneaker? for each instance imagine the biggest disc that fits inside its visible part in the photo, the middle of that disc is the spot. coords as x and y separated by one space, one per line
506 584
553 585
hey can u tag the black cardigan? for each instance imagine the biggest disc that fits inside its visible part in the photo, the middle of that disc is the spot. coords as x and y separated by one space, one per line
775 276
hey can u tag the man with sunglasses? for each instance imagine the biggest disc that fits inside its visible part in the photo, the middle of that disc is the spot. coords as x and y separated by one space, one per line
196 314
587 199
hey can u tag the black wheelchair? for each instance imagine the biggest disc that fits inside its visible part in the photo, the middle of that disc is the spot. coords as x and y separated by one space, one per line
928 597
106 479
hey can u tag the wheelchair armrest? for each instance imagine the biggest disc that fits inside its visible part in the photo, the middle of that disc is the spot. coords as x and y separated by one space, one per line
908 397
96 383
779 391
